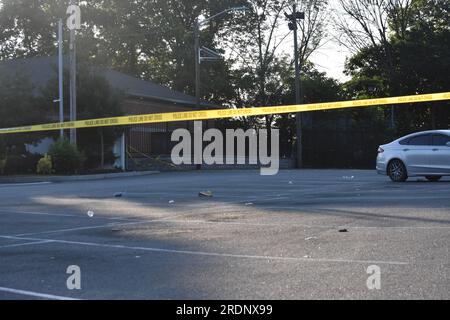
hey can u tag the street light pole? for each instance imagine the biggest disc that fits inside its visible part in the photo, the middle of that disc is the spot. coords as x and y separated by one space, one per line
197 26
297 66
73 81
298 100
197 61
60 75
294 17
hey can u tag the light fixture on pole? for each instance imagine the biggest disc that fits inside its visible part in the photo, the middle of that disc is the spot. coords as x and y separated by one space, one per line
208 54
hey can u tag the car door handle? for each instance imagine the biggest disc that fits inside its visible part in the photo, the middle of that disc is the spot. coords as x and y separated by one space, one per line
405 150
435 149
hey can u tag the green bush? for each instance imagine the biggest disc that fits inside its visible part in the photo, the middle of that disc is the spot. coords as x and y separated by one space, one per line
44 165
66 158
3 165
21 163
3 155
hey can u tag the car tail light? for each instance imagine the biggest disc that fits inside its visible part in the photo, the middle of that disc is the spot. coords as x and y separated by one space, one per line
380 150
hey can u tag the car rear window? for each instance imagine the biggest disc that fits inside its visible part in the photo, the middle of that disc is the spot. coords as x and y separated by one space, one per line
440 139
404 141
422 140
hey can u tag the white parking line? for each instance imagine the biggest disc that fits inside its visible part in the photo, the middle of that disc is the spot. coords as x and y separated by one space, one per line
38 213
75 229
299 225
63 215
35 294
213 254
25 244
108 225
7 185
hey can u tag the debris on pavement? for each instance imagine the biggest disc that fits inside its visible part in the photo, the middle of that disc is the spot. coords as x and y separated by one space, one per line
343 230
205 194
310 238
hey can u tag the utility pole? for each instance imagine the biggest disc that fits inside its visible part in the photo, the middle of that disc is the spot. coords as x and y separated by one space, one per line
293 18
73 24
197 61
60 76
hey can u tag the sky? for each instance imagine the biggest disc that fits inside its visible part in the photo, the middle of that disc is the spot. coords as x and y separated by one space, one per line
331 59
331 56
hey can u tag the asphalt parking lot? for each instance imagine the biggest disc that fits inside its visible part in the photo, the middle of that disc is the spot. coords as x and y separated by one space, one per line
256 238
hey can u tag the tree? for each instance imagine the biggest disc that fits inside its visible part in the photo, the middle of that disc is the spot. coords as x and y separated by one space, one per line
149 39
95 99
419 64
368 23
172 60
255 42
260 68
18 107
3 154
28 27
317 88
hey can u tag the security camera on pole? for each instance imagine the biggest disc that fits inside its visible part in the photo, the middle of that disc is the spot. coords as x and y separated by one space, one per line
73 24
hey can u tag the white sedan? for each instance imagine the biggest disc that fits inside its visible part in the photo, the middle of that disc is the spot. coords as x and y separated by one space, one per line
424 154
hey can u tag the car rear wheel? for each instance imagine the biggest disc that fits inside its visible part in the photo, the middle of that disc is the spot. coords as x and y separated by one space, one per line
433 178
397 171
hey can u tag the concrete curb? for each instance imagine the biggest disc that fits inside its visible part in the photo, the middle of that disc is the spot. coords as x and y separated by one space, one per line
103 176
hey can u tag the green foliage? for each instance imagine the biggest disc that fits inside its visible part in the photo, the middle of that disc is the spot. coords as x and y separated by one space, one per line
3 162
152 40
18 107
3 147
415 60
3 155
65 157
32 21
44 165
96 99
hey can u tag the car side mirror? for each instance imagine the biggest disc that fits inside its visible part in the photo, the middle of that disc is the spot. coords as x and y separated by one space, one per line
448 144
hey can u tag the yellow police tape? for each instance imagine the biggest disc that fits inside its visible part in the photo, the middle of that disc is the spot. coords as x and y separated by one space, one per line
225 113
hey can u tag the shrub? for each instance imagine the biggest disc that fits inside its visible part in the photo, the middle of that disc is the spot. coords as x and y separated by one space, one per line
44 165
3 155
3 165
65 157
21 163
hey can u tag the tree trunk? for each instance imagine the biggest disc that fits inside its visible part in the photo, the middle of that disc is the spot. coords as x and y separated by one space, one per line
433 118
102 149
269 133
